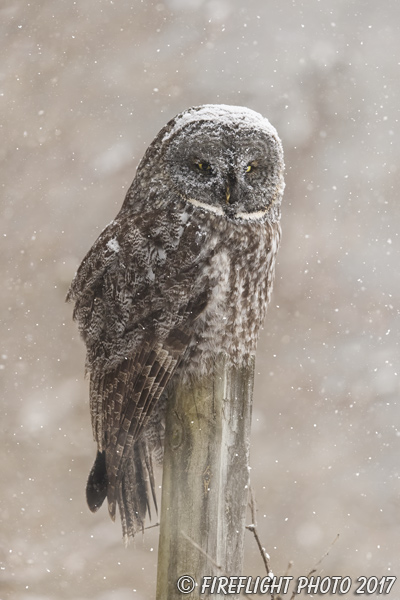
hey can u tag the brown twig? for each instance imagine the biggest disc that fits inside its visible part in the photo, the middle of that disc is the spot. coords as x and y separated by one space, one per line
290 565
313 570
324 556
151 526
253 529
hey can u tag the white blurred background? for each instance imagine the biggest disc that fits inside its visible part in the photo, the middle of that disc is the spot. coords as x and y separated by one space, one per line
84 88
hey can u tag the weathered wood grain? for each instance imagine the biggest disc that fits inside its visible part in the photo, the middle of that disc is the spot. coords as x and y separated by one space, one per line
205 478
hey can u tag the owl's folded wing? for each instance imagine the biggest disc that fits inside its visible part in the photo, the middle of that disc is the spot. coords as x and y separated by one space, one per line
136 321
122 402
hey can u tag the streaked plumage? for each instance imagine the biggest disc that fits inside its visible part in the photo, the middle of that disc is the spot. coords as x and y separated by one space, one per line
183 273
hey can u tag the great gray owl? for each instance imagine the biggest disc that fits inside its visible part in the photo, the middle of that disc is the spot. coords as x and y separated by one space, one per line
183 273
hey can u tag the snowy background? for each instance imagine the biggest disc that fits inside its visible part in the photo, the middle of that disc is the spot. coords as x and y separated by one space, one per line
84 88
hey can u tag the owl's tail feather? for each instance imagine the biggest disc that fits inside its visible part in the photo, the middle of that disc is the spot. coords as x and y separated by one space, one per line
96 489
133 491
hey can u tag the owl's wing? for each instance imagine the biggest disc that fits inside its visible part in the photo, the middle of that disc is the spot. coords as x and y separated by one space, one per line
122 402
120 304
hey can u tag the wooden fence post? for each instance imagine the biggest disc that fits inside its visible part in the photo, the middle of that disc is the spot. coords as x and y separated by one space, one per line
205 479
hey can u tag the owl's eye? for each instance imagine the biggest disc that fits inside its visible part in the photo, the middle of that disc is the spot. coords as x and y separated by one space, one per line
251 166
204 166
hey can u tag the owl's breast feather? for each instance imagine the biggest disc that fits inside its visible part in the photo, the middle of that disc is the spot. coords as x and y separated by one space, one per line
239 273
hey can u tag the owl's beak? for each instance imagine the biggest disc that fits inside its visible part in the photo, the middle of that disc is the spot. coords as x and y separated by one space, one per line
228 193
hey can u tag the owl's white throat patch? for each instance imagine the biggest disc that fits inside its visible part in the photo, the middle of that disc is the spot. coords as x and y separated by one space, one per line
218 210
252 216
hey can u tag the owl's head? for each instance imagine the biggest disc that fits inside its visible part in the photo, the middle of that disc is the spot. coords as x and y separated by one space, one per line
226 160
